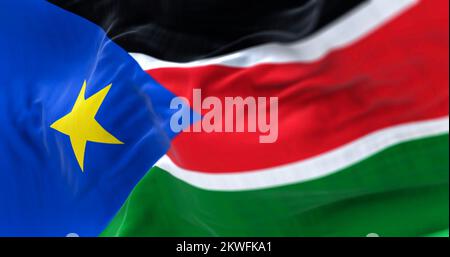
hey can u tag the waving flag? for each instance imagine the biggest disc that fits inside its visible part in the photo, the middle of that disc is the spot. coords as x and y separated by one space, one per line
362 136
81 123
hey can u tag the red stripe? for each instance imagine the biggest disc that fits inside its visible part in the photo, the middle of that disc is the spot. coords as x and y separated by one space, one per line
396 75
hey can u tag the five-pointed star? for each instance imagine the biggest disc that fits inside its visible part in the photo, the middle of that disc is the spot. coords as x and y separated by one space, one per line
80 124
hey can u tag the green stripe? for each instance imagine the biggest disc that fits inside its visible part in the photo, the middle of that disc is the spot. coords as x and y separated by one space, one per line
442 233
402 191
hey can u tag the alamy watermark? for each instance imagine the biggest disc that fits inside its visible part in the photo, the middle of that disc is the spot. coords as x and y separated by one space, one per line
230 114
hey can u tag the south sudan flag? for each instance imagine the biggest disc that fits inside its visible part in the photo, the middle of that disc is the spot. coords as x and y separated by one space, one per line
361 146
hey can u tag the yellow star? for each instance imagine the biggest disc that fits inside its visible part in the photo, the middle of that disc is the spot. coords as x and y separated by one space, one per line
80 124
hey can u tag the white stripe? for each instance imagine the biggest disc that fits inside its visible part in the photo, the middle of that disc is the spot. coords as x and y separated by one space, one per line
313 168
349 29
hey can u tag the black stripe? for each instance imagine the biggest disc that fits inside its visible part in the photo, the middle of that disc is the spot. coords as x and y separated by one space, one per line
186 30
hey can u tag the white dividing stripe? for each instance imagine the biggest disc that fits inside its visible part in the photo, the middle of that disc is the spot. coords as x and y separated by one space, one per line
344 32
313 168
